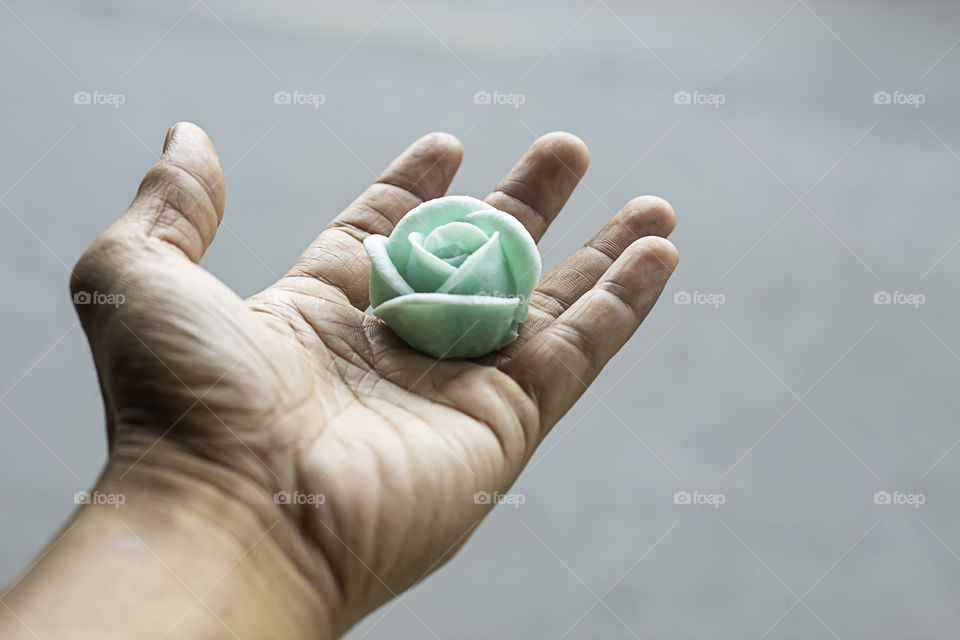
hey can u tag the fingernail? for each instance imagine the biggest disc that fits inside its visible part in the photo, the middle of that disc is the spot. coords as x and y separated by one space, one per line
169 138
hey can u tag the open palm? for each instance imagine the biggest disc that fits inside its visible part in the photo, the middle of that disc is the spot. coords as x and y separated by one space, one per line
299 390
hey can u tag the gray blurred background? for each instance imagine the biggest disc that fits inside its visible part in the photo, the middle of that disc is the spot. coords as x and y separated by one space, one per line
784 389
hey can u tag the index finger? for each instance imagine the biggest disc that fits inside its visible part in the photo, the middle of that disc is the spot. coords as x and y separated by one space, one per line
336 257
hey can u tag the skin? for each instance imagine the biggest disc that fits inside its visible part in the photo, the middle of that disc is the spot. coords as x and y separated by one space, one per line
215 403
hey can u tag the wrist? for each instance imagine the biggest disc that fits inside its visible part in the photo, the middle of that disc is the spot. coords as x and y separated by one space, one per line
177 544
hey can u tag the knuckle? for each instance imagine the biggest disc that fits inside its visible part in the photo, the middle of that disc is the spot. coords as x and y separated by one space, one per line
99 272
570 341
97 262
177 206
547 303
180 188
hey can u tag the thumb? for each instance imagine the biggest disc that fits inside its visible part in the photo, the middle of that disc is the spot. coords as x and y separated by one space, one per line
146 308
176 212
180 200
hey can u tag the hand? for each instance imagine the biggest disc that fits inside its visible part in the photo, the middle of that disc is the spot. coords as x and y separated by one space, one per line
296 389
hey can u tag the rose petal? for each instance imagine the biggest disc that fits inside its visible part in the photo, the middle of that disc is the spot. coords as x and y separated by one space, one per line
425 271
455 241
452 326
520 251
385 281
484 272
426 217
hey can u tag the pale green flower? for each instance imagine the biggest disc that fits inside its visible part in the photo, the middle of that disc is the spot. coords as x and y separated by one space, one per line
454 278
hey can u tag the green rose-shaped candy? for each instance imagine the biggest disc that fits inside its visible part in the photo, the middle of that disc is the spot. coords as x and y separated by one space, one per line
454 278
